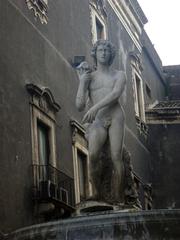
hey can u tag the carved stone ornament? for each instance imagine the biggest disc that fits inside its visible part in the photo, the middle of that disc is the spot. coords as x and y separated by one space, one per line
100 7
130 188
142 127
78 133
136 61
40 9
43 97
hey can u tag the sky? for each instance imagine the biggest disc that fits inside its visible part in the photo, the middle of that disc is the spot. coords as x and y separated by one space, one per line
163 28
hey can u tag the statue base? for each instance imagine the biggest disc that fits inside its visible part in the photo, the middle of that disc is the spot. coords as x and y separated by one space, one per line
136 225
91 206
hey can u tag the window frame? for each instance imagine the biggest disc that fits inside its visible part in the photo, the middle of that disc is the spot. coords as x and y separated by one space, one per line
38 115
43 142
79 143
139 103
95 14
78 147
43 108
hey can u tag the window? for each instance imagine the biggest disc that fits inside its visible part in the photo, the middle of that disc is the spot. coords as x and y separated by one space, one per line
138 93
81 163
43 143
148 91
98 23
43 109
43 138
138 96
99 30
82 172
43 150
50 185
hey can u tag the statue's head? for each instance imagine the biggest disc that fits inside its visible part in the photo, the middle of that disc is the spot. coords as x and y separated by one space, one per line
106 44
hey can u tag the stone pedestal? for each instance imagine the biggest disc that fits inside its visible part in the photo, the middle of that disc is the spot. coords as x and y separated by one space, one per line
111 225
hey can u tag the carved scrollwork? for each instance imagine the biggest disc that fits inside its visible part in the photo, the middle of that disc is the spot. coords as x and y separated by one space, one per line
131 187
40 9
136 61
100 7
43 97
43 104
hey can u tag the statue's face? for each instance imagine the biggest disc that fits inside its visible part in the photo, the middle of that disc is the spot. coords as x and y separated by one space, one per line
103 54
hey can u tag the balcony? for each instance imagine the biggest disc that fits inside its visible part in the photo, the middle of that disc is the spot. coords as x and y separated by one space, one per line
53 186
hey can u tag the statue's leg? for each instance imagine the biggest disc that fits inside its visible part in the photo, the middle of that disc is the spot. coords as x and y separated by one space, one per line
116 138
96 138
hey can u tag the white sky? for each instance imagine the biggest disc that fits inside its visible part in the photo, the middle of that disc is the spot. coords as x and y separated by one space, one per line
163 28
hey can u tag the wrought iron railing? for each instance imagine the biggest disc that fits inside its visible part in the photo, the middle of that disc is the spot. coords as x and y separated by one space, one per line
52 184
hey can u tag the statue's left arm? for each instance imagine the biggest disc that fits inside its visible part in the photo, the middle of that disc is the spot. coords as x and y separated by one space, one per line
111 98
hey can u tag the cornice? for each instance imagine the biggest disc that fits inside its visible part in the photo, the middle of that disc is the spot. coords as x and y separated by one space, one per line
43 93
165 112
99 6
128 20
77 125
138 10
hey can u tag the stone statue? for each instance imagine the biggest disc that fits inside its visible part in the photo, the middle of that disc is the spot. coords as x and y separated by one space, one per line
105 120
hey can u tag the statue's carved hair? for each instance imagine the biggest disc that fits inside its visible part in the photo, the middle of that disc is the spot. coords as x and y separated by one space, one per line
104 43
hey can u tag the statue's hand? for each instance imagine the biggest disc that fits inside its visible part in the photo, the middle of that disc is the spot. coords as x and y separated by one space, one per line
90 115
85 78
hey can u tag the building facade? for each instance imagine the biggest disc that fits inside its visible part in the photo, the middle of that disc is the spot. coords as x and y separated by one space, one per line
44 153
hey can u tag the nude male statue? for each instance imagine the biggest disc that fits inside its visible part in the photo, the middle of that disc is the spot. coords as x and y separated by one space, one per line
104 87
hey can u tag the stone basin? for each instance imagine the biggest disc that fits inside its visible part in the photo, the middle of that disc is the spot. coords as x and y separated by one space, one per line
109 225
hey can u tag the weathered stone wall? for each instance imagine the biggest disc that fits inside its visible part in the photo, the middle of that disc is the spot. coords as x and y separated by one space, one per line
35 53
152 72
172 74
165 151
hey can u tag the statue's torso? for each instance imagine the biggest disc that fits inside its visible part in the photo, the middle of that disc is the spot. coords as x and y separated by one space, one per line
100 86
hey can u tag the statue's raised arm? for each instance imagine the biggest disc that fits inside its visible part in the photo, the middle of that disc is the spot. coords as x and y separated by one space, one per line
84 80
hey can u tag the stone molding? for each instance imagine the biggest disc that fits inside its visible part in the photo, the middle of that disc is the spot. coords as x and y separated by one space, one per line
164 112
136 61
98 10
79 143
45 97
128 20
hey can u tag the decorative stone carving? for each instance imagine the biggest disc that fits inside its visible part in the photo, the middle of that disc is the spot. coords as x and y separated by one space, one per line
148 202
100 7
78 133
164 112
104 122
136 61
42 98
130 186
98 20
40 9
142 127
